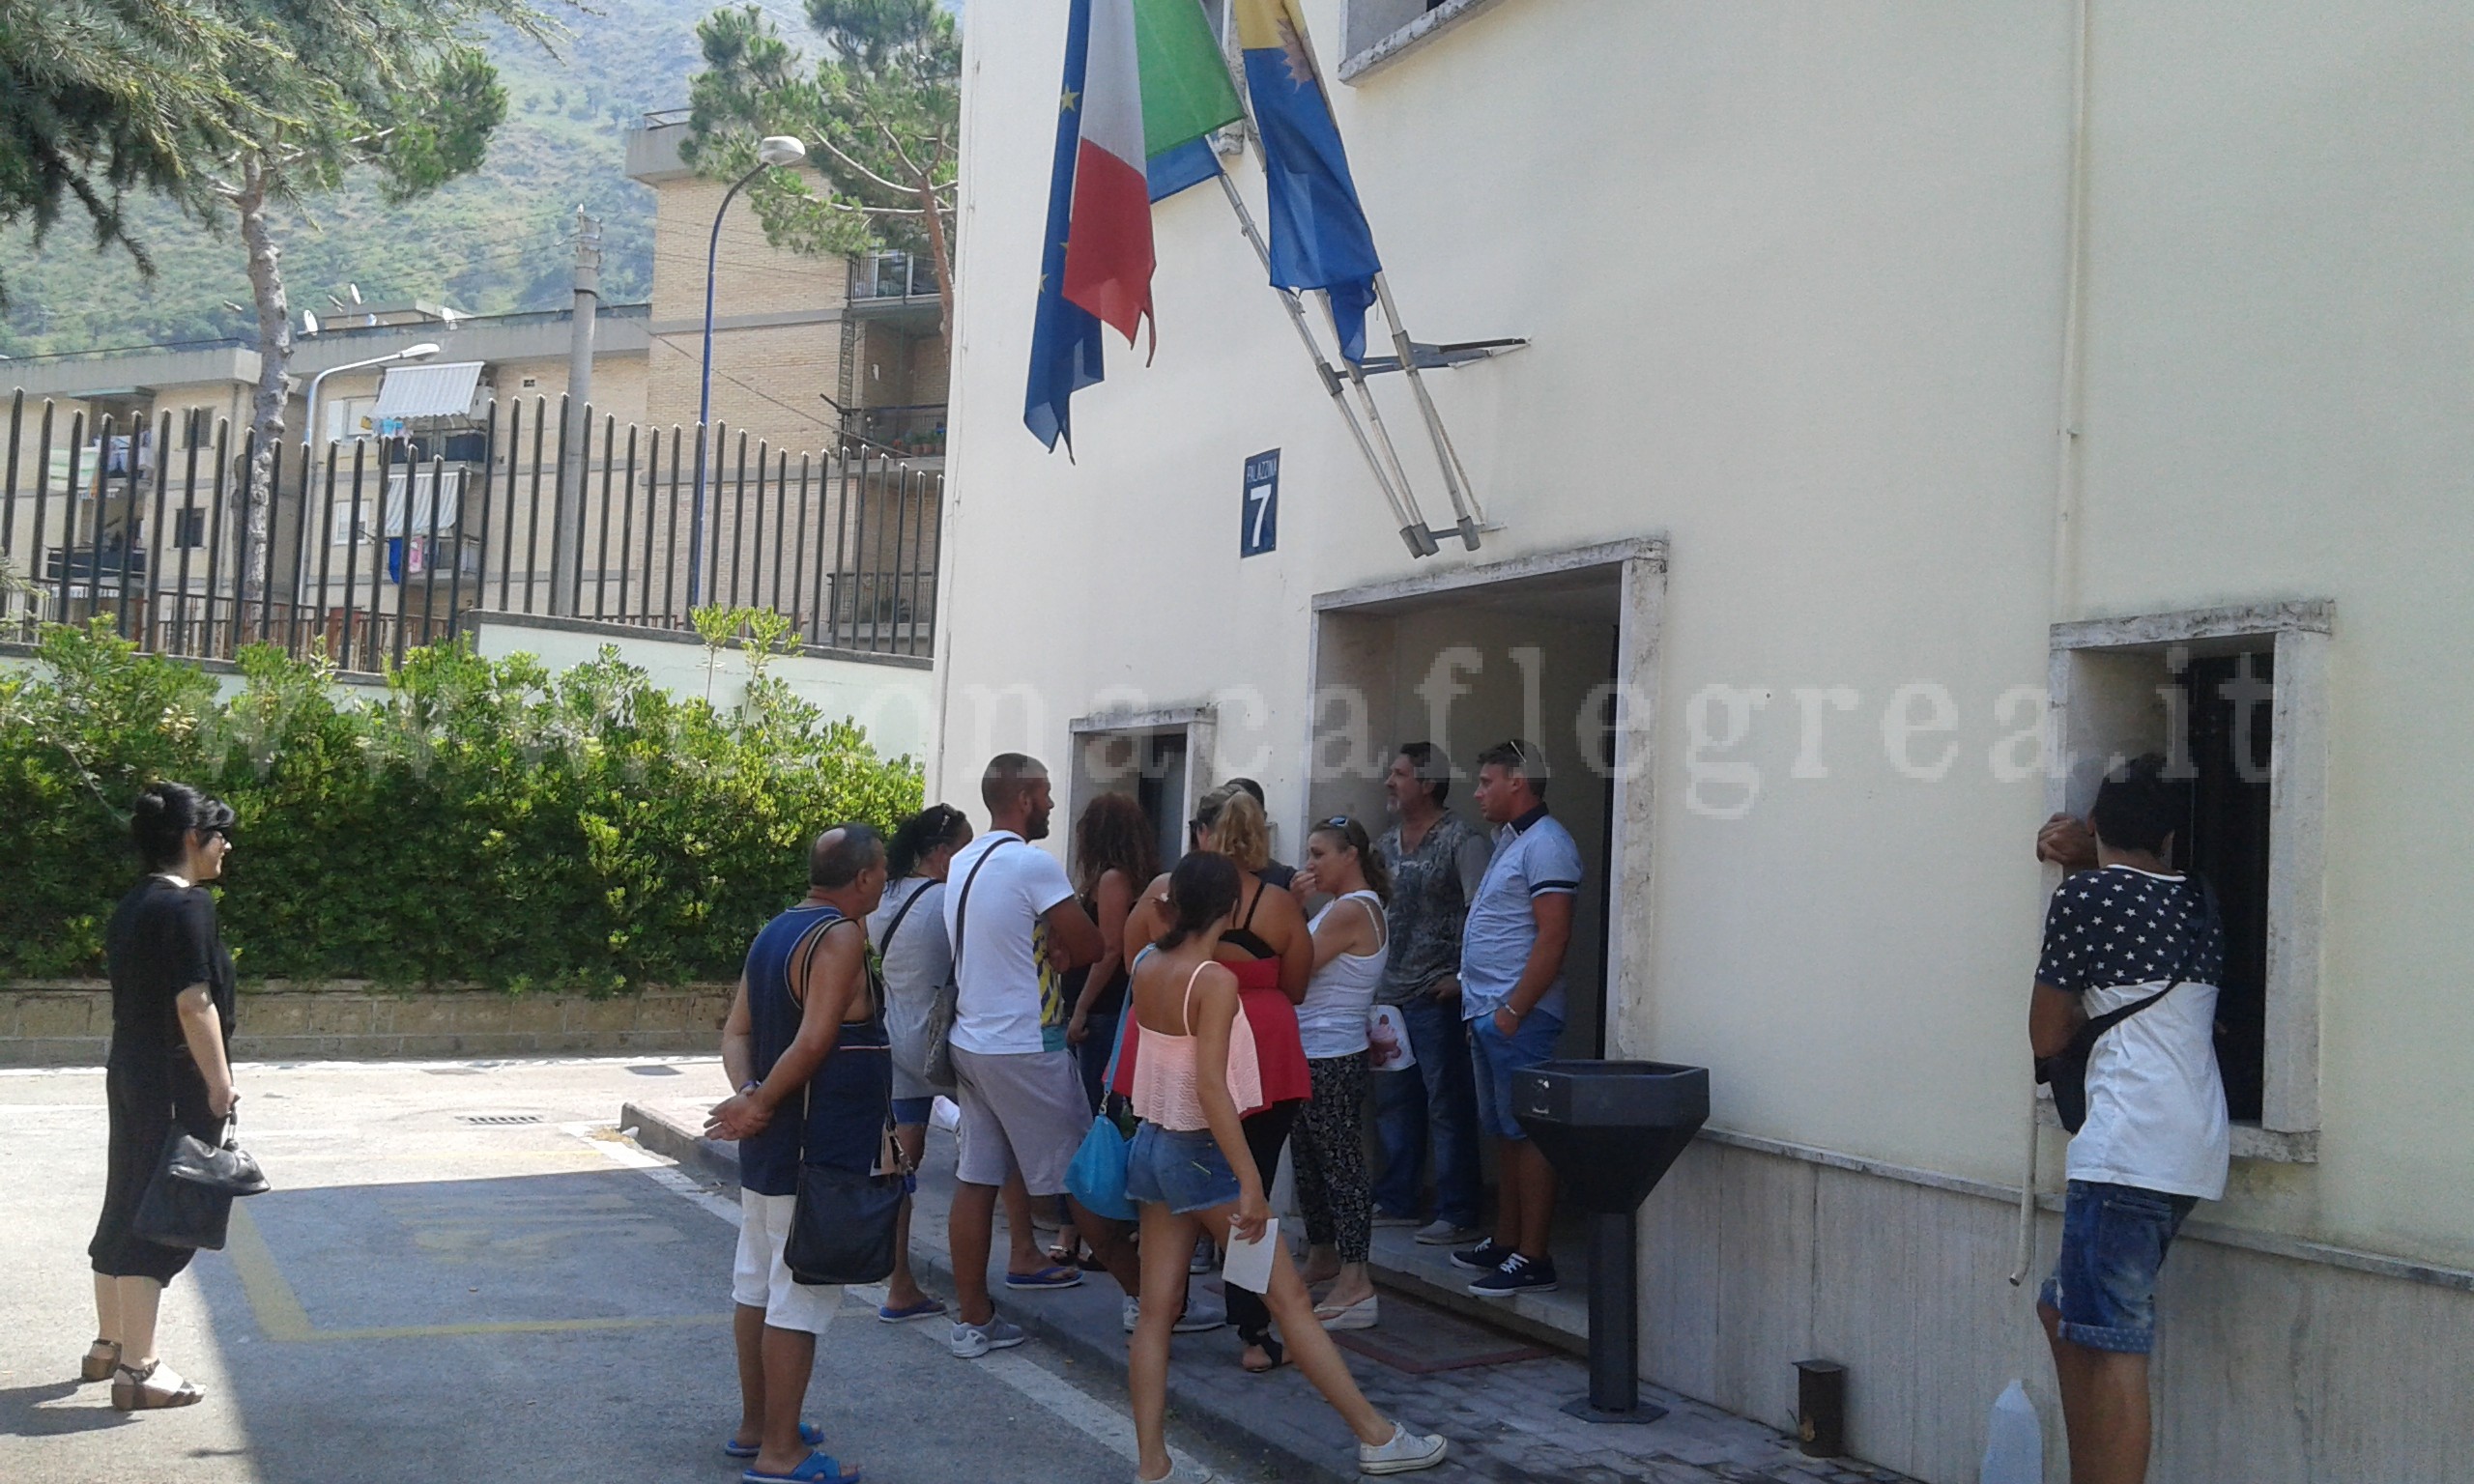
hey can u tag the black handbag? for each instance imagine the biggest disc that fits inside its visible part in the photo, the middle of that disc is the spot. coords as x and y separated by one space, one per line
2065 1072
189 1203
842 1226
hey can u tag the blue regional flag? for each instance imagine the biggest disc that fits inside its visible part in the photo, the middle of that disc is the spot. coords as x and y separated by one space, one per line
1319 238
1065 338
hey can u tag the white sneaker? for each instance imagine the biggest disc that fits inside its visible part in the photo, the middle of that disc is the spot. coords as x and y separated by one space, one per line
1445 1234
1180 1472
1200 1315
1131 1313
1406 1453
970 1342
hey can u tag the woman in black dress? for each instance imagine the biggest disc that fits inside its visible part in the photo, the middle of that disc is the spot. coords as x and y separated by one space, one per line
171 1034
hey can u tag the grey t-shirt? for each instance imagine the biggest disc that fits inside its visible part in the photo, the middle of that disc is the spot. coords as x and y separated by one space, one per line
916 962
1430 892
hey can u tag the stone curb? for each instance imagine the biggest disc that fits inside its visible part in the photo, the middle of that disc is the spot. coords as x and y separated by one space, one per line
1280 1459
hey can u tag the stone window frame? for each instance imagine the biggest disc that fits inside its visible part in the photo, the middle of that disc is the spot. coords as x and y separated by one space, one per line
2300 634
1360 56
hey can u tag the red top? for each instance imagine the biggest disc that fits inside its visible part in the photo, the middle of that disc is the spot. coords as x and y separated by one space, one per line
1278 1048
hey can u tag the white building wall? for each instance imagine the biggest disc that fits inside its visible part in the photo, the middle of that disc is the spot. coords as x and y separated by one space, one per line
1795 277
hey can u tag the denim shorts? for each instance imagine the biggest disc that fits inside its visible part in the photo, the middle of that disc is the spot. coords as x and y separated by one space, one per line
1185 1171
2113 1240
1495 1060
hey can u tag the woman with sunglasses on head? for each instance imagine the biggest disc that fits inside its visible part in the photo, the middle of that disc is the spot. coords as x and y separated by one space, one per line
1268 949
170 1064
1351 944
1197 1062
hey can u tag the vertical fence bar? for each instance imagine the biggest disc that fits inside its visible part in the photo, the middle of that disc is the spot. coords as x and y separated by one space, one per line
68 517
669 557
601 557
306 495
326 549
403 552
936 566
584 491
842 547
352 551
696 533
781 524
215 525
739 521
532 521
429 552
862 587
180 633
275 511
102 497
797 534
482 562
42 499
150 617
8 494
755 578
506 548
626 527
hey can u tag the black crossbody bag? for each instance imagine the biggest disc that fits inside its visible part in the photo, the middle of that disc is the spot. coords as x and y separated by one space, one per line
2065 1072
189 1203
843 1223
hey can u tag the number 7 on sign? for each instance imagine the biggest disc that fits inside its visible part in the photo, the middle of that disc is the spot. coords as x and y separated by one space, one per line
1258 526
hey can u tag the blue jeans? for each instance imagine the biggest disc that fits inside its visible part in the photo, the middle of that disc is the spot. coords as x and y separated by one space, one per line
1430 1108
1495 1061
2114 1242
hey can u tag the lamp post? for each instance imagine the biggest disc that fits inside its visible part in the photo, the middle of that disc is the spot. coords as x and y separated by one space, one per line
309 421
773 152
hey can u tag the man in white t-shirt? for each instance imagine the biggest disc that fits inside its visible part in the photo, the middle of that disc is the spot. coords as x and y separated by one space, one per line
2129 936
1015 928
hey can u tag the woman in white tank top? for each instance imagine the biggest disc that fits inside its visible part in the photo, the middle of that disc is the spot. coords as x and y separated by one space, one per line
1190 1172
1351 943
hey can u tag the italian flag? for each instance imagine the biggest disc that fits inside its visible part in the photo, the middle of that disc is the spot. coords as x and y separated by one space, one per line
1153 82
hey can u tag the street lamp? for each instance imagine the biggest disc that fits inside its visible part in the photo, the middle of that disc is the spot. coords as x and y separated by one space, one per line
309 421
773 152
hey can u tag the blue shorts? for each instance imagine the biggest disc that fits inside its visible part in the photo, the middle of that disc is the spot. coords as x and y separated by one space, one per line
2113 1240
912 1111
1495 1060
1185 1171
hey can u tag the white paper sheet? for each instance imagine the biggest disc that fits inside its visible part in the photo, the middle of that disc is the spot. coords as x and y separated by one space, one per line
1250 1263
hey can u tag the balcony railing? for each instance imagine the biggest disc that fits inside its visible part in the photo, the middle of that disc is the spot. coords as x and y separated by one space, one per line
892 275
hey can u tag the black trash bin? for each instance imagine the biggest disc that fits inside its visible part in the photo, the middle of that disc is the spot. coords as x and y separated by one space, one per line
1611 1129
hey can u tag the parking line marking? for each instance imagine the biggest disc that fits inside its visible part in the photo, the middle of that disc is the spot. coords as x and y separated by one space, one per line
283 1320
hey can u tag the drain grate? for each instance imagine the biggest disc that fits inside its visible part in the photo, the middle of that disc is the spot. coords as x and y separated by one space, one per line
498 1119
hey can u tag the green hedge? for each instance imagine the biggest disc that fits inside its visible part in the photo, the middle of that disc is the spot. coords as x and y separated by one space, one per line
486 822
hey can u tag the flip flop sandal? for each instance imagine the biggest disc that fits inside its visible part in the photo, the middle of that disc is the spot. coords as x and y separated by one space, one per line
1361 1315
99 1367
130 1391
809 1432
815 1468
1271 1347
924 1308
1055 1275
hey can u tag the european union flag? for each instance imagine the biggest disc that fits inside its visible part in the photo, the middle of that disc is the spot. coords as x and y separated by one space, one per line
1319 238
1065 338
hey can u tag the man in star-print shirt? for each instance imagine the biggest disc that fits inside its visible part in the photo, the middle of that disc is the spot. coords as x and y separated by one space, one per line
2154 1143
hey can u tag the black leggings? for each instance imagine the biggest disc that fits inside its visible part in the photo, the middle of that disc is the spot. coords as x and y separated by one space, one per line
1266 1135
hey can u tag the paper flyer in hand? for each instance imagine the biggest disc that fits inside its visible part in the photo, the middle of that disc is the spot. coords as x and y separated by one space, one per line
1250 1263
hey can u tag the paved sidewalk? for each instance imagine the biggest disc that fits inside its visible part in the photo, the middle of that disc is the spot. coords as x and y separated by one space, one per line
1497 1396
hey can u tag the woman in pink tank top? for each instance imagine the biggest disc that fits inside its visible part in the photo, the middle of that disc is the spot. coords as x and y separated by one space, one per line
1190 1170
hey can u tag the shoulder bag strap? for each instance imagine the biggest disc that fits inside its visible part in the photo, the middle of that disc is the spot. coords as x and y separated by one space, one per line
903 913
961 908
2090 1033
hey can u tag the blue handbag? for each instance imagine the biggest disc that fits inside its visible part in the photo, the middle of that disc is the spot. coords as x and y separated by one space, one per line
1096 1178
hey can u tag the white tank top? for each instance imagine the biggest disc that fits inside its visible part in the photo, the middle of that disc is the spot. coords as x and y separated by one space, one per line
1332 1021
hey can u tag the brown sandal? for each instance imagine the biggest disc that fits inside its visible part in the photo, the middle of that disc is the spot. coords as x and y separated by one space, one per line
98 1366
130 1391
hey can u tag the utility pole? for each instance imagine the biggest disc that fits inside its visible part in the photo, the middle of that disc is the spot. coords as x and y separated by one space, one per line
566 550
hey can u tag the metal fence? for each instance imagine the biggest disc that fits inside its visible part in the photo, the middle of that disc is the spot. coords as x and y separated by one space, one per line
381 544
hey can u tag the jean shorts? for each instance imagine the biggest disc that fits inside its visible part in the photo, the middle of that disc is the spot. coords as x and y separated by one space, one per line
1185 1171
1495 1060
2113 1240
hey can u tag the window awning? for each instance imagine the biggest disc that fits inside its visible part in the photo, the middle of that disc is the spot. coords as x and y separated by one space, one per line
428 391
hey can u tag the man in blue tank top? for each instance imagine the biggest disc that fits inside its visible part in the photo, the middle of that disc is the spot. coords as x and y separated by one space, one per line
805 1045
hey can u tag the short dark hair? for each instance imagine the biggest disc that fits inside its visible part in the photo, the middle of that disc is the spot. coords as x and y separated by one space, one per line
1007 776
1252 787
842 853
1434 770
162 818
1514 755
2138 808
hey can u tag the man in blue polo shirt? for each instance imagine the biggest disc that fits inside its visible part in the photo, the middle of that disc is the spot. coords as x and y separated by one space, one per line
1511 994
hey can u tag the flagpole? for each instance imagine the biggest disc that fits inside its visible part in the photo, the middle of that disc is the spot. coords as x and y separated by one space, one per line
1402 500
1456 478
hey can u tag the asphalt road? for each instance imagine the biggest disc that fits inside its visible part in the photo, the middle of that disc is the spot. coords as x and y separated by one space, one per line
462 1274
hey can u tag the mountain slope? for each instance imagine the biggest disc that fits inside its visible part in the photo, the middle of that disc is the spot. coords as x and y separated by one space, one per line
493 242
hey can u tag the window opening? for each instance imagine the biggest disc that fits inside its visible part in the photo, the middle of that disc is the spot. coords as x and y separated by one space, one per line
2227 746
